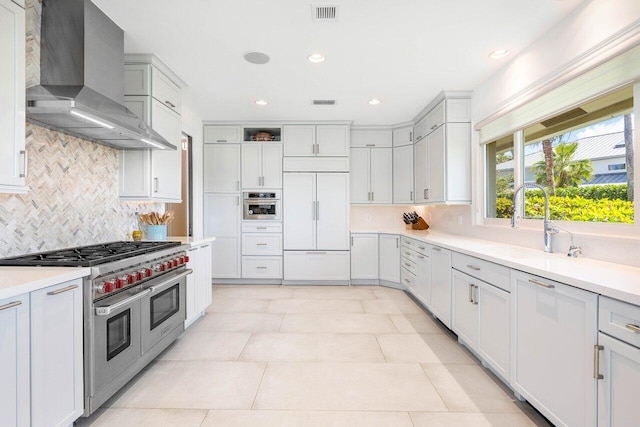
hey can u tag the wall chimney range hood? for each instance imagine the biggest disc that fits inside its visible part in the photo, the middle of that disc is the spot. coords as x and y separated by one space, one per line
81 91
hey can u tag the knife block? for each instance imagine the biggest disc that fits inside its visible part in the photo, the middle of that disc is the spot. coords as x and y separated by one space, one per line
420 225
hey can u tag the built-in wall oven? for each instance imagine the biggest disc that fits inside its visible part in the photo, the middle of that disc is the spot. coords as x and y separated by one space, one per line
262 205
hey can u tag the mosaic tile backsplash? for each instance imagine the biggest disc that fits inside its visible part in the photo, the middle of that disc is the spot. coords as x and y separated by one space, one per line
73 198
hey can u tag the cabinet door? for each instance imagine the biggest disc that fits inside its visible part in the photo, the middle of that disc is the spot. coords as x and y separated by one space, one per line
272 165
135 173
166 164
316 265
403 174
458 167
251 166
370 138
14 361
441 284
420 130
494 327
436 117
389 260
423 278
553 339
299 140
420 170
359 175
13 160
364 256
299 210
57 354
620 367
436 165
192 310
226 258
202 274
222 168
222 214
464 316
332 219
222 134
381 175
332 140
403 136
165 91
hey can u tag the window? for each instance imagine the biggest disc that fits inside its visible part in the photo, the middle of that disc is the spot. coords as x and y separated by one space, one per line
583 158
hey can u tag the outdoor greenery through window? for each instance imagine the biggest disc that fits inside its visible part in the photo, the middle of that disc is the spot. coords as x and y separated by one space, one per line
582 157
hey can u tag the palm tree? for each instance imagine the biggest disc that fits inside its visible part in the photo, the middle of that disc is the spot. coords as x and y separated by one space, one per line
566 171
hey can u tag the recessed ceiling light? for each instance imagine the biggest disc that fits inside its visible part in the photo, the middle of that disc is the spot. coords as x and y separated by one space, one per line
374 101
261 102
499 53
316 58
256 57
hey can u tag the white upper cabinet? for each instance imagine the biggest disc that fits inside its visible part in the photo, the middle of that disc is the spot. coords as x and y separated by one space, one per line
371 175
420 130
371 138
13 157
402 136
316 140
222 168
262 165
403 192
222 134
149 92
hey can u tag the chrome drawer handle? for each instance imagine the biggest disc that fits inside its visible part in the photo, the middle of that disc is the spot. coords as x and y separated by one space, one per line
221 140
408 253
261 228
539 283
422 247
473 267
261 268
170 104
596 362
59 291
261 244
370 145
407 264
437 249
634 328
10 305
407 280
420 256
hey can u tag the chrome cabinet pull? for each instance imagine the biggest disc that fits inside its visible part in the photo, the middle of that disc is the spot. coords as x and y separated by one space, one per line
427 194
470 293
433 127
261 244
23 154
420 256
410 136
411 195
221 140
408 253
261 268
170 104
407 280
473 267
156 183
373 197
317 211
539 283
475 296
632 327
407 264
424 193
194 249
261 228
436 249
596 362
10 305
59 291
313 211
370 145
422 247
317 148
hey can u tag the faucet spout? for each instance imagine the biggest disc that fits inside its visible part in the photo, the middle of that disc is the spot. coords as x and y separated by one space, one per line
549 229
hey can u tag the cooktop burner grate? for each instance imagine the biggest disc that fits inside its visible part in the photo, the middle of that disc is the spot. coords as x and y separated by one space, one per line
87 256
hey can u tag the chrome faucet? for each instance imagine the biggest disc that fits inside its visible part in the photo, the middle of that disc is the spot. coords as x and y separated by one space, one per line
549 228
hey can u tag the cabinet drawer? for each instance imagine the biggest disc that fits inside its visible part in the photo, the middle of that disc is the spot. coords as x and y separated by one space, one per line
409 265
416 245
261 267
262 244
165 91
619 319
317 265
261 227
222 134
409 254
495 274
408 279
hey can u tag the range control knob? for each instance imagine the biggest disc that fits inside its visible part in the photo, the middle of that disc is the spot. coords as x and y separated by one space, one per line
165 266
119 282
140 275
148 272
175 263
105 287
131 278
186 258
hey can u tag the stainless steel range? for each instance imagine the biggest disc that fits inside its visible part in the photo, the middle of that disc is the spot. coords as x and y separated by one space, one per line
134 307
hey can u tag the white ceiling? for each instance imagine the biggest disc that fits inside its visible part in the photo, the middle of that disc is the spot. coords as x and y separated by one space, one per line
403 52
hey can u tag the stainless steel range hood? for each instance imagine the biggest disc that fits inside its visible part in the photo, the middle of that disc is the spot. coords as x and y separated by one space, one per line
81 90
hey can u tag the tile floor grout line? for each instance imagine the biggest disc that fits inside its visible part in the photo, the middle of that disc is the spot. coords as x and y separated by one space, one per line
255 397
434 387
381 350
244 346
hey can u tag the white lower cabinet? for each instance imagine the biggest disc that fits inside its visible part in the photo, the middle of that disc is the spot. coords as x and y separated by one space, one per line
14 361
56 322
553 340
481 317
389 258
316 265
222 213
199 282
262 244
364 256
226 258
440 297
262 267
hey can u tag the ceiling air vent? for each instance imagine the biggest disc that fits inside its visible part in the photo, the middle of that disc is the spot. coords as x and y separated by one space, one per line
324 102
561 118
324 13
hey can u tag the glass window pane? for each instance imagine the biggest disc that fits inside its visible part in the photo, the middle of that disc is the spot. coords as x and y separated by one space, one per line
499 167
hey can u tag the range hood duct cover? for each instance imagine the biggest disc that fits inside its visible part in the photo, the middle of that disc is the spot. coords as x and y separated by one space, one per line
81 91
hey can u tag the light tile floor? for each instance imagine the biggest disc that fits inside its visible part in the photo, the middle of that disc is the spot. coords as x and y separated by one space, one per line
315 356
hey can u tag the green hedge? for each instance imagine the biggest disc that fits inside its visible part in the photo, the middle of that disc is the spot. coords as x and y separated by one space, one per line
591 192
570 209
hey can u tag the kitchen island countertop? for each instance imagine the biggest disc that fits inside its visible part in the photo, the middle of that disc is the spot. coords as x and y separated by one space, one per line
191 241
20 280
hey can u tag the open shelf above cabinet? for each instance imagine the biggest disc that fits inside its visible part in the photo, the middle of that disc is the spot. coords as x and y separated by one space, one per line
262 134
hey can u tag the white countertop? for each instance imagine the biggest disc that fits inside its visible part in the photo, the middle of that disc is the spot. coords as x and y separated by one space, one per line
19 280
193 241
606 278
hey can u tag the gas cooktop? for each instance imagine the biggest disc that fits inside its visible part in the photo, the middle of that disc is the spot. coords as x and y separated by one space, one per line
87 256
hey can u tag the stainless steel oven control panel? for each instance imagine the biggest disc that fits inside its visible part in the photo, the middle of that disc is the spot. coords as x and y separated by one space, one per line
262 205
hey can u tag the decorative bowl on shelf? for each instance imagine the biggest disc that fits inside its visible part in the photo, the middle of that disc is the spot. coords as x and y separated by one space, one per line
263 136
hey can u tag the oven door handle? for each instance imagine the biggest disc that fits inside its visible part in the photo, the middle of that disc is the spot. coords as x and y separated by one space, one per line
105 311
154 289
